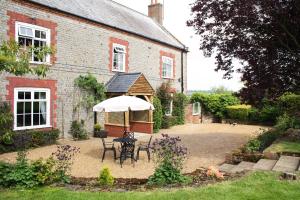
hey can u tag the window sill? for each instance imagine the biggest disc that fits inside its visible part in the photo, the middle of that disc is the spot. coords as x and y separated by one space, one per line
31 128
118 71
168 78
40 63
196 114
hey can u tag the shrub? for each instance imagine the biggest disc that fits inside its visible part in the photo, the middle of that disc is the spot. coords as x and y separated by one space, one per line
44 171
238 112
168 121
253 145
169 156
77 130
269 114
285 122
64 160
157 114
97 127
165 96
105 177
215 103
179 103
290 103
267 138
21 140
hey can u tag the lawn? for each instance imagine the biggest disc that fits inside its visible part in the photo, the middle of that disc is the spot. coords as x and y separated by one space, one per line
284 146
259 185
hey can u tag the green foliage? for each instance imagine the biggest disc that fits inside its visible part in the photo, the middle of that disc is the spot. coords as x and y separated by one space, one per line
267 138
15 60
215 104
44 171
238 112
253 145
157 114
290 103
20 140
77 130
97 127
6 124
165 96
105 177
168 121
167 174
285 122
179 103
95 92
269 114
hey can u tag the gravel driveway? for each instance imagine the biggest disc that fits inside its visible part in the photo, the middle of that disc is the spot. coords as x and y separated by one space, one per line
207 146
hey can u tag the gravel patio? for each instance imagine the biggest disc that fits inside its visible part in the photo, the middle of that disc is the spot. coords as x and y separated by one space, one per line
207 146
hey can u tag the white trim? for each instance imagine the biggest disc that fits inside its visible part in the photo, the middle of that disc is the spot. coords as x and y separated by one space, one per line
124 57
165 59
34 27
47 100
170 109
199 110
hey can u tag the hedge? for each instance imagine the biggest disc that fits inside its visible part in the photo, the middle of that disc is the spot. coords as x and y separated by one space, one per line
238 112
28 139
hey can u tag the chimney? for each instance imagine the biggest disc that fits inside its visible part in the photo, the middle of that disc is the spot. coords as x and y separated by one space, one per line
156 11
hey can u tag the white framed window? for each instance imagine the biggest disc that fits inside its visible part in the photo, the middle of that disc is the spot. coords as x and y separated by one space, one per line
119 58
31 108
28 35
169 110
196 108
167 67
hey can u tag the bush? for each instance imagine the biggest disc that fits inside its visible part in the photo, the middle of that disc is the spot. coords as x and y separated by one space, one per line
105 177
169 156
77 130
215 103
238 112
290 103
168 121
157 114
253 145
285 122
21 140
97 127
179 103
269 114
267 138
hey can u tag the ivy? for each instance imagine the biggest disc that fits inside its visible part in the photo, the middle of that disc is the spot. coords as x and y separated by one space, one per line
164 95
95 91
179 103
157 114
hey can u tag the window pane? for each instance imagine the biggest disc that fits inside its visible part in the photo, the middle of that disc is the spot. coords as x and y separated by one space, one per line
27 95
28 120
42 95
21 95
37 34
29 32
43 34
22 41
20 121
36 107
36 95
36 119
20 107
27 107
43 107
43 119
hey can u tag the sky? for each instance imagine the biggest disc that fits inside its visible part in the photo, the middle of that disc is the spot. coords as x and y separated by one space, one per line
201 73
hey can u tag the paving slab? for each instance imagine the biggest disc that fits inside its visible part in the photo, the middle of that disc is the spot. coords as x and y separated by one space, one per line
265 164
226 168
243 166
287 164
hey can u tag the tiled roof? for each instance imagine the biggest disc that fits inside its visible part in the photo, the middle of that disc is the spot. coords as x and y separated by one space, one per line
114 15
121 82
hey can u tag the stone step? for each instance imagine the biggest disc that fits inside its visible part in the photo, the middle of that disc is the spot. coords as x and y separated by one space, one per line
264 164
226 168
287 164
243 166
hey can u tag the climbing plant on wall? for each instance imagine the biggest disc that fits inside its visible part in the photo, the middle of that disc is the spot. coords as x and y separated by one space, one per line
164 95
93 91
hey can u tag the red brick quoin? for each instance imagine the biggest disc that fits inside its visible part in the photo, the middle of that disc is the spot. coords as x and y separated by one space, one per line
112 41
170 55
16 82
17 17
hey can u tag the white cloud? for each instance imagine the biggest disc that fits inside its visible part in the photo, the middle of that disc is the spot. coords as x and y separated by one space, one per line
201 74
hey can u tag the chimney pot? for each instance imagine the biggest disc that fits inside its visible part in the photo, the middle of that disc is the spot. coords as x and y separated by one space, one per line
156 11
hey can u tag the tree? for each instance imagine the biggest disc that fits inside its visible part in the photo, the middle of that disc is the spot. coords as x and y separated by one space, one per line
264 35
14 59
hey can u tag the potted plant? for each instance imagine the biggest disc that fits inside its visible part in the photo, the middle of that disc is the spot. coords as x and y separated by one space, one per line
98 133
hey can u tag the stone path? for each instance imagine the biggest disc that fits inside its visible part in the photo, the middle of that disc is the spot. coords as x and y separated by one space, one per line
284 164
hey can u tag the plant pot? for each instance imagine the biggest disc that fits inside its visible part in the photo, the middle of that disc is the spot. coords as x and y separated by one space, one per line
100 134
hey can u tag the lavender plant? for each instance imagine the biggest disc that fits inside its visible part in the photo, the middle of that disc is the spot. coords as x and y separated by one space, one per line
169 156
64 159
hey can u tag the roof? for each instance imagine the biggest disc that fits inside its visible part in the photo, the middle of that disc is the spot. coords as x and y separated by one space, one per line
121 82
115 15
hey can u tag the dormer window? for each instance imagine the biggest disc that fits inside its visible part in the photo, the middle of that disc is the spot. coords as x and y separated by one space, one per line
28 35
119 56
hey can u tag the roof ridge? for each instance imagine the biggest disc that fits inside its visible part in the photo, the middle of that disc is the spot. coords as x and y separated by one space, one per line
122 5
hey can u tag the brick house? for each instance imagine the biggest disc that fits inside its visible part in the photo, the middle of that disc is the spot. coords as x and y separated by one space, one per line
100 37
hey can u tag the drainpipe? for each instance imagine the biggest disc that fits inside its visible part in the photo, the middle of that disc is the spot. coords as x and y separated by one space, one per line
182 82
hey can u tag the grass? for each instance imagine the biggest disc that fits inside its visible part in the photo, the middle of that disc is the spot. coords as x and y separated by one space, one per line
257 186
284 146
